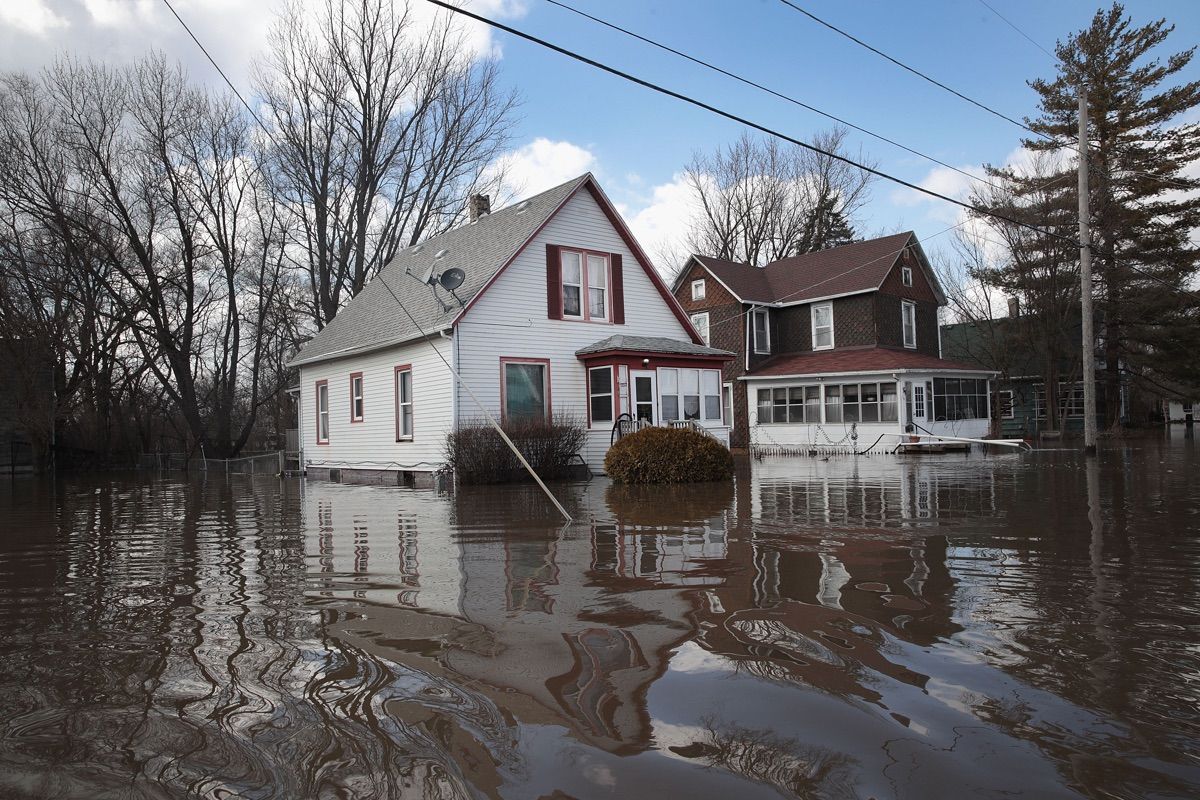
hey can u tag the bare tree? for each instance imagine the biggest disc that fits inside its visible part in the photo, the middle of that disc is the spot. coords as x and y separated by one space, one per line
1039 271
761 201
150 188
384 128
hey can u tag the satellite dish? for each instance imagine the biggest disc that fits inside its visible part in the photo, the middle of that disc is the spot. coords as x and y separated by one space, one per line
452 278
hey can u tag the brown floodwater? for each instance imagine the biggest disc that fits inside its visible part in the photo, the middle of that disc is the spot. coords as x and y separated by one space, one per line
875 627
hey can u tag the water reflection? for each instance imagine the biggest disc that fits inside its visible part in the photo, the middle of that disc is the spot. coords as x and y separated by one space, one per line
852 628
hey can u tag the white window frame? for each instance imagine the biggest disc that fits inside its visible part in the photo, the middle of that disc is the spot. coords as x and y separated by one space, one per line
321 407
754 315
815 328
610 394
702 330
919 408
358 402
1012 410
679 393
908 309
698 289
585 283
404 404
906 276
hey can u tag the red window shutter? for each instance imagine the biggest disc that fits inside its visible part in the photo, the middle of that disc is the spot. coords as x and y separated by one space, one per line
618 290
553 282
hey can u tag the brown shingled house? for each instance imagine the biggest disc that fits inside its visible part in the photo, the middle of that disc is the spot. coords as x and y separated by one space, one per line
834 346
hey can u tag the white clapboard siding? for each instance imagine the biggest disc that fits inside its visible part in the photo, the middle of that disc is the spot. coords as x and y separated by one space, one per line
509 320
371 444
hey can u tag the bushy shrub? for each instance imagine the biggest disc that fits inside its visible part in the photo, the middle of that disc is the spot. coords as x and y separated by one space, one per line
477 454
668 455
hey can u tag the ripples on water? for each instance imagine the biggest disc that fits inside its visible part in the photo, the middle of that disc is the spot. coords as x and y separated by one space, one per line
937 627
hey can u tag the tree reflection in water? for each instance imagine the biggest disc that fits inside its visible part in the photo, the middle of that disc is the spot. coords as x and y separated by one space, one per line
802 631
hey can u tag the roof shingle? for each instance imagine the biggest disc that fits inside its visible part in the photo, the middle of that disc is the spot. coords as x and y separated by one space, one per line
374 319
651 344
851 268
856 359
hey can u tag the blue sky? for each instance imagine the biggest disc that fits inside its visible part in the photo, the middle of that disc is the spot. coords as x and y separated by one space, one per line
575 118
639 140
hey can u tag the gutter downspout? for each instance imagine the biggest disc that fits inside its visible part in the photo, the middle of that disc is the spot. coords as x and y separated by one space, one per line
455 361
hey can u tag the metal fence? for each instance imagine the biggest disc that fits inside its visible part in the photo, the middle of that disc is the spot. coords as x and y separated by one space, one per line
264 463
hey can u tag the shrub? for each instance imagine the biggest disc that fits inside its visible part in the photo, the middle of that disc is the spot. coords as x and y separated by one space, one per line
668 455
477 454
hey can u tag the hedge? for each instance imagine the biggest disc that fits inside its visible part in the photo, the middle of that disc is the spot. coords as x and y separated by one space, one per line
477 454
668 455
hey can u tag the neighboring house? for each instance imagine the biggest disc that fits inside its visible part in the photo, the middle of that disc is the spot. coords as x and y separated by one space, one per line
834 347
1019 391
559 314
1178 409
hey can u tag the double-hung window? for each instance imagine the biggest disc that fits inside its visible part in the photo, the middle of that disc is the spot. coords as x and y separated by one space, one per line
600 394
526 386
908 321
322 412
356 397
404 403
760 322
585 292
700 323
822 326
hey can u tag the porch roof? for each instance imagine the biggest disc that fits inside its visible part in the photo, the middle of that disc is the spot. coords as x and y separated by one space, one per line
858 359
651 344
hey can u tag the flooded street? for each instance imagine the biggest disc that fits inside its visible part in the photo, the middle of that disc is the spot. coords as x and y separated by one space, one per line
873 627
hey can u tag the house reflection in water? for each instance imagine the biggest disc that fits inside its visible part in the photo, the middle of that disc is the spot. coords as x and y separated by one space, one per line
571 626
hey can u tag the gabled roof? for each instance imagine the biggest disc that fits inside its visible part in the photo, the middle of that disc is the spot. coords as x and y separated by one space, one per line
849 269
857 359
651 344
373 319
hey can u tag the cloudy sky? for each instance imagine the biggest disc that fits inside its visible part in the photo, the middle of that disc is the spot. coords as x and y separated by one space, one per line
575 119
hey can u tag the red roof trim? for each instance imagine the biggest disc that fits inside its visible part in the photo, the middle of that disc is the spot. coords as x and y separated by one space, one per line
615 219
483 289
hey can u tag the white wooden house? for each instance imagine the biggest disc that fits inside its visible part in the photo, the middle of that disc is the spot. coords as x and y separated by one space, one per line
559 313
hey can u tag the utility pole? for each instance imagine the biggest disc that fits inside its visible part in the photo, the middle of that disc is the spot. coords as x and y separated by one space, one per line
1085 283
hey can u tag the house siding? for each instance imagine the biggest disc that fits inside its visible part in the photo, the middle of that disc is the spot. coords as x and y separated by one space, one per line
727 331
371 444
510 320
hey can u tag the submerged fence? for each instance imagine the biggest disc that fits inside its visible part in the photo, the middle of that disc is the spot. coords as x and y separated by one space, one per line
264 463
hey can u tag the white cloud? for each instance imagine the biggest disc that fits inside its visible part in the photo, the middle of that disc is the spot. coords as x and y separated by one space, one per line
31 17
235 32
542 164
661 226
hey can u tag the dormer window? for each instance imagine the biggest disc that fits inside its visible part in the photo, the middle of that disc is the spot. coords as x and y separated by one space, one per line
822 326
582 271
698 289
906 275
761 330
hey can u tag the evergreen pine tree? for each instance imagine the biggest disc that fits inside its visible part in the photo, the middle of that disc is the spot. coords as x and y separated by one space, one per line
1143 213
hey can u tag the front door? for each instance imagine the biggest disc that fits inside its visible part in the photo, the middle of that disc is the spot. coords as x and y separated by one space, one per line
644 396
919 411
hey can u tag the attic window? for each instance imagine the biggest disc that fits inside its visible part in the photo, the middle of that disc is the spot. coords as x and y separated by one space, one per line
906 275
698 289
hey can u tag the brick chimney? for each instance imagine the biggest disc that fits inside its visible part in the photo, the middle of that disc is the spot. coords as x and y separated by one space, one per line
478 205
1014 307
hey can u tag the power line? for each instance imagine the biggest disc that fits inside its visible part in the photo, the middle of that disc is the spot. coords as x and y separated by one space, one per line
770 91
217 67
1010 24
734 117
913 70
